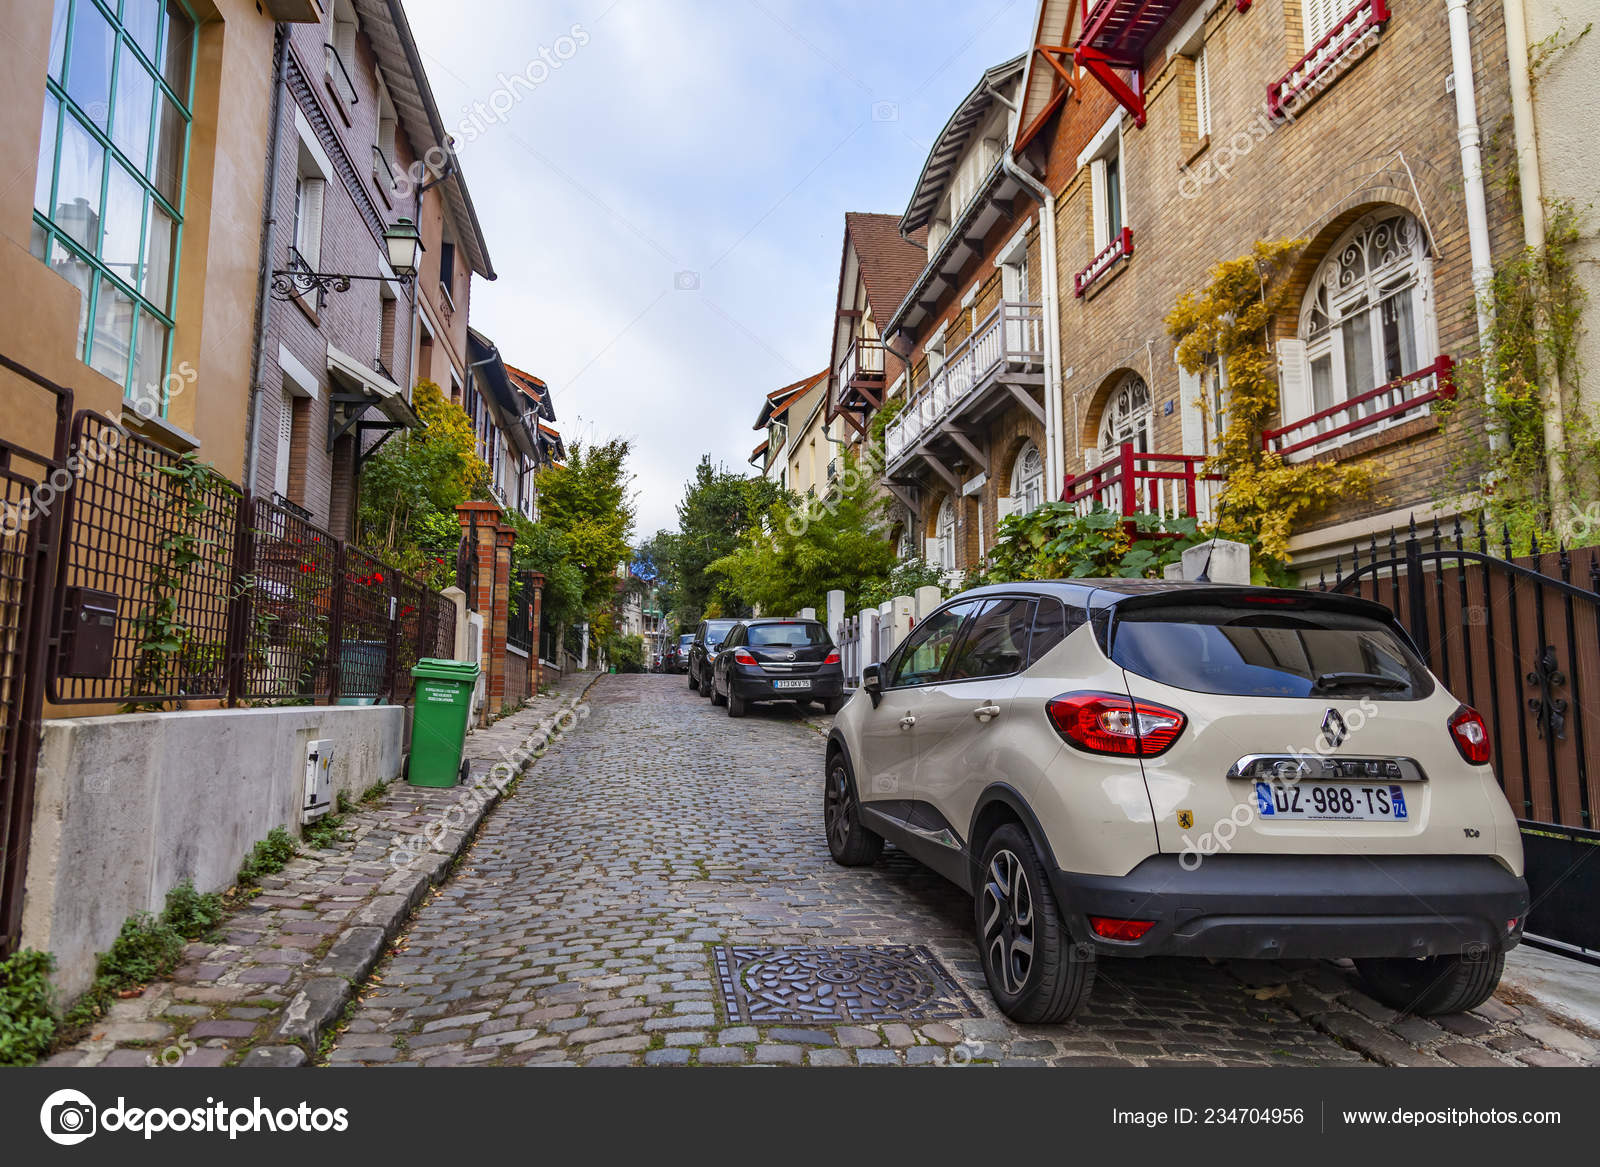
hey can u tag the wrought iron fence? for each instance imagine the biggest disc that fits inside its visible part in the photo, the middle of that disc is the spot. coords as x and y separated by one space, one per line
217 595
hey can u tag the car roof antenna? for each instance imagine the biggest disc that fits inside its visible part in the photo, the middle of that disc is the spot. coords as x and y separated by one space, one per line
1205 572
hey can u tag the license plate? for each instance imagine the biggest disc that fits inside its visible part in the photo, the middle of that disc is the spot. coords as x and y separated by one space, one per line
1330 800
791 684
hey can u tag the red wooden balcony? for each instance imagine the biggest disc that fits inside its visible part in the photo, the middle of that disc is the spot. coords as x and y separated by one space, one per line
1120 247
1402 399
1342 44
1133 483
1118 34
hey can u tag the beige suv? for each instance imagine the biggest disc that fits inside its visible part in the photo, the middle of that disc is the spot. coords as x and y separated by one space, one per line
1128 767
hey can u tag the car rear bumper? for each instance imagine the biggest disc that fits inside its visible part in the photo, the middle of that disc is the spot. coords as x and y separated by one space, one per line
1303 906
762 688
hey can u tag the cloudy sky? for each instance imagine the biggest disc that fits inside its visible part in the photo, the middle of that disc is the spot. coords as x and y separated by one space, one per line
665 207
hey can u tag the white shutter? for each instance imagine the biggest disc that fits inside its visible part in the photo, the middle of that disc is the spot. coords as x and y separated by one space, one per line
1097 195
1202 95
1194 437
280 478
1005 507
1294 385
1320 16
933 551
308 231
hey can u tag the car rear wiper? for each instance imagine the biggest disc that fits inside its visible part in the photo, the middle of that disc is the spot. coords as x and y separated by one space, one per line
1361 681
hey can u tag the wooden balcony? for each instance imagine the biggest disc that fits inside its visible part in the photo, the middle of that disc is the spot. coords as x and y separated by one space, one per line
1171 486
1010 339
1403 399
861 368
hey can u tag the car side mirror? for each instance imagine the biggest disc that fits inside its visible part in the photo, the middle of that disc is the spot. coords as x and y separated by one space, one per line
872 682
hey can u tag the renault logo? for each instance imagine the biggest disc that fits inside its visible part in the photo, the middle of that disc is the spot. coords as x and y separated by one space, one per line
790 656
1333 728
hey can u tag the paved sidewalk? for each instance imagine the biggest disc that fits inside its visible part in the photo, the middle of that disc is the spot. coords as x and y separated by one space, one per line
664 854
283 969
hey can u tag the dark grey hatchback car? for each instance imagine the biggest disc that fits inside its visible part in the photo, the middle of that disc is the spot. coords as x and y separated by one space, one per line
777 660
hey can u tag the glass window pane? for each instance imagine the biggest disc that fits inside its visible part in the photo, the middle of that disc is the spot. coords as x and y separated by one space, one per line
113 333
89 69
997 642
76 272
168 170
77 210
1359 375
130 122
142 20
177 51
39 242
1321 383
923 655
159 242
1399 336
1113 197
47 156
58 38
149 365
122 241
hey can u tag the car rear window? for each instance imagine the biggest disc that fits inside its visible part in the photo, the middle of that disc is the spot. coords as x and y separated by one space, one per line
1249 651
717 629
796 635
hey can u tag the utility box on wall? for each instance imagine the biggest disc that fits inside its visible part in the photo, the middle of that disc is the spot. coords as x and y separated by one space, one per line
318 799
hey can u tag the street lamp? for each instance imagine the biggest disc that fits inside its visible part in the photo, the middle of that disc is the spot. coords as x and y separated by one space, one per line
402 242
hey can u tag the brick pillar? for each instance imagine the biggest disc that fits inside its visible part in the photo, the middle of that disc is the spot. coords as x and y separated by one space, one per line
480 521
536 582
499 617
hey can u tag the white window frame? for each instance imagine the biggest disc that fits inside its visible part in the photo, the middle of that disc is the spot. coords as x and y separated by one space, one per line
1106 143
1140 425
1027 482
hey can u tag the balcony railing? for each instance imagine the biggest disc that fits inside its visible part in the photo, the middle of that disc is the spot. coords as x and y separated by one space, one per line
1134 483
1120 247
338 74
1318 68
863 361
1402 399
1011 334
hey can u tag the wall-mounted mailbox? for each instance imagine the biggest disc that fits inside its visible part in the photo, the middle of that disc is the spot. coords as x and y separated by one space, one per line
88 633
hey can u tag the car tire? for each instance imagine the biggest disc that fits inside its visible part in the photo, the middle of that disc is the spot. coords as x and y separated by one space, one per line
716 697
694 685
1046 978
850 843
737 705
1434 984
832 705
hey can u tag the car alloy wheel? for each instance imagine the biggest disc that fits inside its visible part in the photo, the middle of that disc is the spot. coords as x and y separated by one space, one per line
850 843
1008 916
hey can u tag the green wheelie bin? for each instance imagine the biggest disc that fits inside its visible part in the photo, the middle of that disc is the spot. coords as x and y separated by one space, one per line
439 721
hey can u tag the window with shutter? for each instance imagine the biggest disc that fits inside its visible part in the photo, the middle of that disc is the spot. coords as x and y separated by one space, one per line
1202 95
280 478
1320 16
308 220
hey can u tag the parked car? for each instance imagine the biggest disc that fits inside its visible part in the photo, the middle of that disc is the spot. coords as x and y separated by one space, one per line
1132 768
701 649
777 660
680 653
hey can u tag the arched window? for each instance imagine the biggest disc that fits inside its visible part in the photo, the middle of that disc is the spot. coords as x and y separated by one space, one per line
947 534
1363 321
1027 480
1127 417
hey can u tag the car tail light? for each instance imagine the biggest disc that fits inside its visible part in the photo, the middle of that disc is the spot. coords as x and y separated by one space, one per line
744 657
1470 734
1104 723
1120 929
832 658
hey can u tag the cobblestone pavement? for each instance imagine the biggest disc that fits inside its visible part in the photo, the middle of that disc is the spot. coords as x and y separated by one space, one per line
263 991
581 927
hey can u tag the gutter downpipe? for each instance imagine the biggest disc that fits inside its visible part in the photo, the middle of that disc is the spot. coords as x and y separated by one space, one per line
1055 453
1470 138
1525 133
269 226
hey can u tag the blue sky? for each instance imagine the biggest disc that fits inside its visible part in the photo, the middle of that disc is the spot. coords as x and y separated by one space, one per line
720 138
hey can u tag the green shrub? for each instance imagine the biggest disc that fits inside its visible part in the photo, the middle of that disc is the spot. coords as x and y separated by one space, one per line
192 914
324 832
146 949
270 856
27 1007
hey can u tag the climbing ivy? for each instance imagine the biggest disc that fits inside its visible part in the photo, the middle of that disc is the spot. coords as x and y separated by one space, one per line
1227 323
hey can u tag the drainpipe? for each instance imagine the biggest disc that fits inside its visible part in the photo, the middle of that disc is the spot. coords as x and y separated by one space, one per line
269 232
1527 141
1049 295
1470 138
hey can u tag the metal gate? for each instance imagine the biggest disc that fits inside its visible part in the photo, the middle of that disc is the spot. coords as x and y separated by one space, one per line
1517 640
32 487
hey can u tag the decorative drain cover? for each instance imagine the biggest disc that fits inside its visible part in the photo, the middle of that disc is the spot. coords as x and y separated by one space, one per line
850 983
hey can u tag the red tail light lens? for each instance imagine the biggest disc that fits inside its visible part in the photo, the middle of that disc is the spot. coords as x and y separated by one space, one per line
1103 723
1470 734
744 657
832 658
1120 929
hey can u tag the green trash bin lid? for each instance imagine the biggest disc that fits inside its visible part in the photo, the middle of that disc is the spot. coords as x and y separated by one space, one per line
447 670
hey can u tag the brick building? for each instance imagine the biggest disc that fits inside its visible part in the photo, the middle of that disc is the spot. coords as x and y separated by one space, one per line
510 412
1175 134
357 147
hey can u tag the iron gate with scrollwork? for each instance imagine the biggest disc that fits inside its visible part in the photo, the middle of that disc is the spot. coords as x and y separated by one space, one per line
31 485
1518 640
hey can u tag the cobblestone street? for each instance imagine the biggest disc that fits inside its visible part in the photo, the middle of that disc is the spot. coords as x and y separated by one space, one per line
584 925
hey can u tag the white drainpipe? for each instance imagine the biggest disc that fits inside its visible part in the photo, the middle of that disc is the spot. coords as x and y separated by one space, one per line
1468 134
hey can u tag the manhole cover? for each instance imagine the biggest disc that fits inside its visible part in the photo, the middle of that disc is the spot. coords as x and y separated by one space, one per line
850 983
